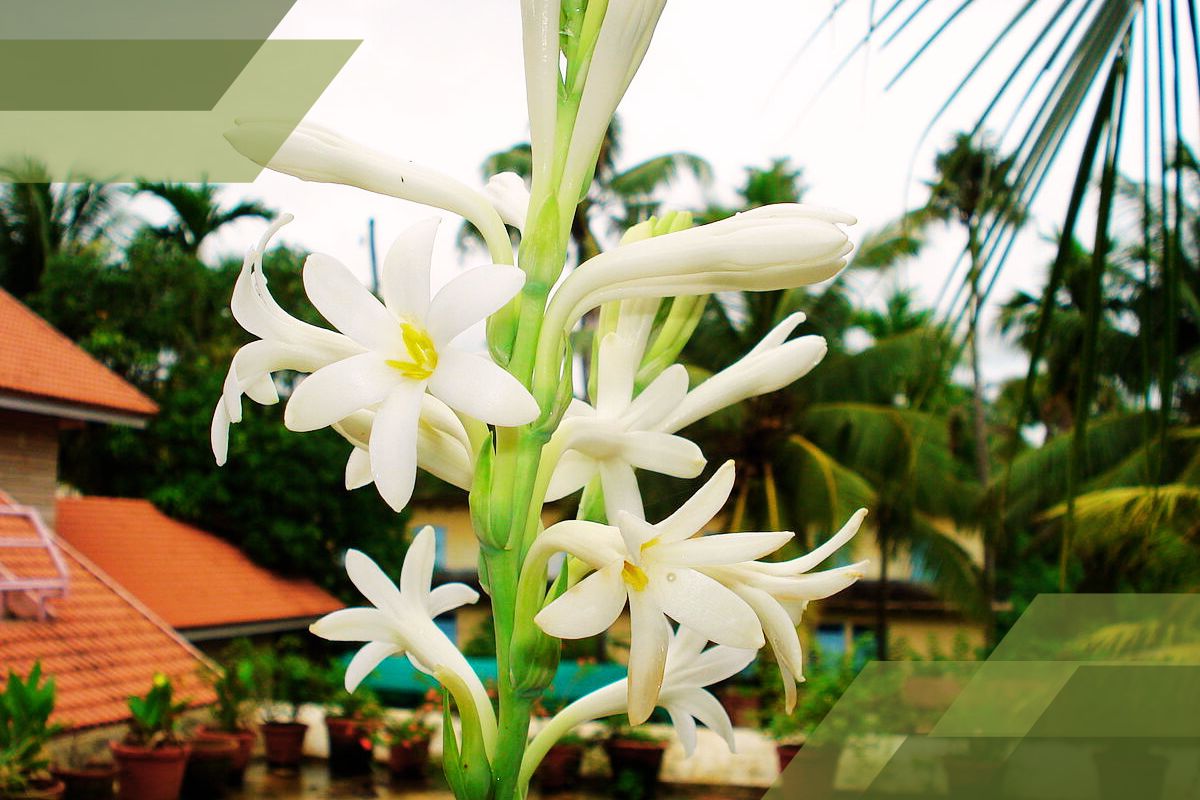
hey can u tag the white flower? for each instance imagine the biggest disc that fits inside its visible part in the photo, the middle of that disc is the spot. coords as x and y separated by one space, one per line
313 153
539 37
689 668
771 365
509 195
773 247
406 349
659 570
621 45
401 622
443 447
779 591
284 343
621 433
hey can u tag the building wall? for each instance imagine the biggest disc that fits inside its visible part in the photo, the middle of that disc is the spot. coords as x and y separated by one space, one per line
29 460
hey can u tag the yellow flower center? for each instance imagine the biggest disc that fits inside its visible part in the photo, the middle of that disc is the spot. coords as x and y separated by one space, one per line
634 576
423 354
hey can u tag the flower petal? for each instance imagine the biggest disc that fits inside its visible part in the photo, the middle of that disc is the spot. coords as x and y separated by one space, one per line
448 597
508 193
595 544
404 282
663 453
372 583
720 549
355 625
778 626
335 392
218 433
706 606
650 636
394 444
476 386
714 665
369 656
417 571
685 729
587 608
618 366
621 492
571 474
657 400
470 298
706 708
830 546
700 508
350 306
358 469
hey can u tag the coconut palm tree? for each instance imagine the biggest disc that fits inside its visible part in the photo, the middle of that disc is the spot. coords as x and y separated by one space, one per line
40 220
198 213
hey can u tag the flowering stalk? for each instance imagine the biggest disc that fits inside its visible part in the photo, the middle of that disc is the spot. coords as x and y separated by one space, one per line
398 383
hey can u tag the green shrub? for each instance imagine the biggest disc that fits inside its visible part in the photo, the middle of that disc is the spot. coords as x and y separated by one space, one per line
25 729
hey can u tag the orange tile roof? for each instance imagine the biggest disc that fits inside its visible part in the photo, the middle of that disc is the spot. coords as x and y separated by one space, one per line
191 578
39 362
99 644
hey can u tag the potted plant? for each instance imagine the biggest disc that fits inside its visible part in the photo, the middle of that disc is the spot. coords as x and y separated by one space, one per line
635 756
743 703
560 766
408 741
89 774
352 720
233 685
151 759
25 729
287 681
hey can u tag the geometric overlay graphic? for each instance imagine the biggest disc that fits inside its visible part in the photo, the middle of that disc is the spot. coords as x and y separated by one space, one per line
126 89
1088 696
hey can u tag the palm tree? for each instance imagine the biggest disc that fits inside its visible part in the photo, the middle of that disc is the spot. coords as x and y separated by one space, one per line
40 220
198 214
864 429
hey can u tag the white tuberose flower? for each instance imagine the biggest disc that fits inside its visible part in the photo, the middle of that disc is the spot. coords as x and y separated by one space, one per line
779 591
284 343
659 570
773 364
406 349
443 447
773 247
401 622
312 153
622 433
689 668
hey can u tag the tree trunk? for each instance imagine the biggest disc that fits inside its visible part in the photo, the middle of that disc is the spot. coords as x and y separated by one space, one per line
881 598
983 467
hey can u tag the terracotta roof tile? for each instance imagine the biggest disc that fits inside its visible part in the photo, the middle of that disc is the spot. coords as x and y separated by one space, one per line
99 644
38 361
191 578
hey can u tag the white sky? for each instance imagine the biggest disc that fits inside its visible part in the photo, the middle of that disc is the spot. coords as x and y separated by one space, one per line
441 83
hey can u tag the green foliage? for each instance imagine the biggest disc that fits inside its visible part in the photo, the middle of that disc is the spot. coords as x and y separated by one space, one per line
361 704
284 679
826 679
154 717
25 728
233 682
197 212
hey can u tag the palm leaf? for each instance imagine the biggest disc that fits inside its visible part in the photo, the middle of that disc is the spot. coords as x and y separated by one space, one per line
645 178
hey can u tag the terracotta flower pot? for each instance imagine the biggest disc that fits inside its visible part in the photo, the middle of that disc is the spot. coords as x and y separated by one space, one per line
245 741
635 766
90 782
208 766
351 745
743 709
145 773
559 770
40 789
284 743
407 759
813 768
